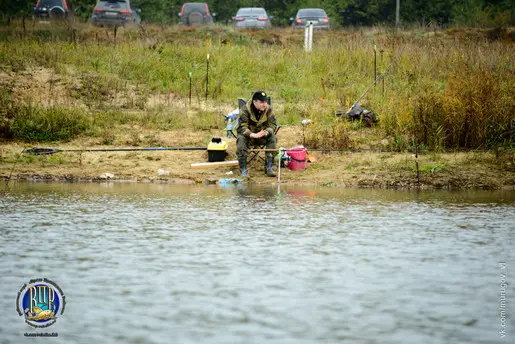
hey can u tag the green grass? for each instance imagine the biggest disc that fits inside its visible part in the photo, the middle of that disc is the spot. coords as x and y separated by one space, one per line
439 91
431 168
36 124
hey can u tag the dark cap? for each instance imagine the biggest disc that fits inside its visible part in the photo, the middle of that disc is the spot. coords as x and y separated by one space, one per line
260 95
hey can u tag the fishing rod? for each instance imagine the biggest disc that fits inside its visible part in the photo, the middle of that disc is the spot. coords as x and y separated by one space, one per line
12 170
381 150
379 77
45 151
326 149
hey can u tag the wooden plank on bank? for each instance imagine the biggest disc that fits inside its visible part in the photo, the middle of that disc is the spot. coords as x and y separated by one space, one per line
215 164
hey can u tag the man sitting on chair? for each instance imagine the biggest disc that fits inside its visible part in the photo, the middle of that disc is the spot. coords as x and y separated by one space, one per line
257 126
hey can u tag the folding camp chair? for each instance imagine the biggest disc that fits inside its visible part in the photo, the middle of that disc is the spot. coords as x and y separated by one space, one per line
252 154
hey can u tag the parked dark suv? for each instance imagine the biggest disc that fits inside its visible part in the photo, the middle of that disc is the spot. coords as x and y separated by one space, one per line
196 13
114 13
51 9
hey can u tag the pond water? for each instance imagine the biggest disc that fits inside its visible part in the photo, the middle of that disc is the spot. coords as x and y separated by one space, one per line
158 263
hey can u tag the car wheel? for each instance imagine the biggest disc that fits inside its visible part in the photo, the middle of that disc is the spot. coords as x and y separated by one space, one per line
56 12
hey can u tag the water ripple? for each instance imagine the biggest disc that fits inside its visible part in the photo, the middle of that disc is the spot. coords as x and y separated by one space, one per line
189 264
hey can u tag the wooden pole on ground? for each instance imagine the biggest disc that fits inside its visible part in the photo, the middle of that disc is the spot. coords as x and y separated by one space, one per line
215 164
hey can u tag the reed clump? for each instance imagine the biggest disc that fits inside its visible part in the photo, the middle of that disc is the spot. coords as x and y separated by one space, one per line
474 111
478 111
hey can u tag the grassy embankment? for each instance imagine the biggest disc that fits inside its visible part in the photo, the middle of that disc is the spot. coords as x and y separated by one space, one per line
80 86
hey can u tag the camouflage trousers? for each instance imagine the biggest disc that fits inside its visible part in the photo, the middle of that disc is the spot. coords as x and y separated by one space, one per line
243 144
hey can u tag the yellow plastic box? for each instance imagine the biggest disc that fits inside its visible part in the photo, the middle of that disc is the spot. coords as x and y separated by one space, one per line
216 151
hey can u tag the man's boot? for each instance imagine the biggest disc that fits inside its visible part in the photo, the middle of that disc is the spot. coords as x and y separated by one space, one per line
243 167
269 165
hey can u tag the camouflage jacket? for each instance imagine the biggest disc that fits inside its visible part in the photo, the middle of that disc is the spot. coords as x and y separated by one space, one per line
248 122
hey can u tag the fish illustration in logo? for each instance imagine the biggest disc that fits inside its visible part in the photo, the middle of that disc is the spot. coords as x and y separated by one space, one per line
38 314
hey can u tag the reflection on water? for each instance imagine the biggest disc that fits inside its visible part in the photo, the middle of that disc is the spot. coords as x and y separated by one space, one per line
158 263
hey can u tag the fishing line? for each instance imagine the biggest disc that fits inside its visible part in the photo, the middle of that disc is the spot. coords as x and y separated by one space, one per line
379 77
12 170
44 151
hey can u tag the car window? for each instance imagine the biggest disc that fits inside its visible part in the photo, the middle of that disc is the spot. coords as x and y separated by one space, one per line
255 12
311 13
50 3
123 5
194 7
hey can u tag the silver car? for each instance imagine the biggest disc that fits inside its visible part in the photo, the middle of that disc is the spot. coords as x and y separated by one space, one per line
315 16
252 18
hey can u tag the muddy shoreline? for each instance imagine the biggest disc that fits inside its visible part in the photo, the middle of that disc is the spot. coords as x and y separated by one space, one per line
449 183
